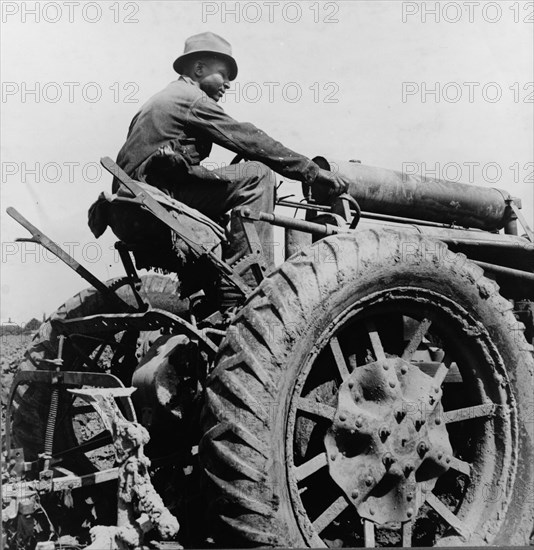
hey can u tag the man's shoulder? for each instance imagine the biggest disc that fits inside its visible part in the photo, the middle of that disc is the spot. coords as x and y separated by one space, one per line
177 91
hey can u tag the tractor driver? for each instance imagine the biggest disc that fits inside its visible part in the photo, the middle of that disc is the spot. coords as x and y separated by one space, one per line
175 130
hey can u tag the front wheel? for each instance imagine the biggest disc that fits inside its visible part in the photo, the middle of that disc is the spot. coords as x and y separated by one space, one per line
374 390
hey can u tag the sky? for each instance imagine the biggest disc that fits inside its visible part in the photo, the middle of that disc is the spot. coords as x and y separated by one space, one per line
441 89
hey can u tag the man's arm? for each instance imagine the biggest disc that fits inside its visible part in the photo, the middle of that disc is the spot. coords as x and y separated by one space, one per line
248 140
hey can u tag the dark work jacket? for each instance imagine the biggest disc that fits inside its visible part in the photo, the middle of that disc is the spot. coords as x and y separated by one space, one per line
175 130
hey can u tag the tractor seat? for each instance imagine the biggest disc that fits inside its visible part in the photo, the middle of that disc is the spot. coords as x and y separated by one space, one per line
153 244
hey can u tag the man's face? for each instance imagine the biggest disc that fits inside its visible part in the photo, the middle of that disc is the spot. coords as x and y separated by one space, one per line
212 77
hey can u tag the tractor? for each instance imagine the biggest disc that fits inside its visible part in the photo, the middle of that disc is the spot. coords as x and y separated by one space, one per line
374 389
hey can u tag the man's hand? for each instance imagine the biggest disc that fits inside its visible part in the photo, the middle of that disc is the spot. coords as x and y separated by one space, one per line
336 183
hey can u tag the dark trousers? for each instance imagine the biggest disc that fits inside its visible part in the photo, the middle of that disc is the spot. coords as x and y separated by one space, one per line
215 192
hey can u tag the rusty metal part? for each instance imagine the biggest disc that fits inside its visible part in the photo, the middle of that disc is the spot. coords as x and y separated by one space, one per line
166 379
386 432
150 320
64 378
473 239
139 508
394 193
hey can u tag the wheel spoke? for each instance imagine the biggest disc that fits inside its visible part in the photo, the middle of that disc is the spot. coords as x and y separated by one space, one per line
431 367
316 408
330 514
454 521
339 358
375 341
460 465
406 530
441 373
416 339
369 533
477 411
310 467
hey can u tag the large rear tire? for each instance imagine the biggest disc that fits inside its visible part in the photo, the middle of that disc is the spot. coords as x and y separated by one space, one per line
349 304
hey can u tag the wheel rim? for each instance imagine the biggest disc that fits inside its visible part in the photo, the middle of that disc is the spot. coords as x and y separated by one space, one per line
373 492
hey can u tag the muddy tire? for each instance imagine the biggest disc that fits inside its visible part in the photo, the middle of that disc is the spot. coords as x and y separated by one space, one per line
351 302
31 403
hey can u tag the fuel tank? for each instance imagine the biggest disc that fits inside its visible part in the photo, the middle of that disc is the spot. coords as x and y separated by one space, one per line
383 191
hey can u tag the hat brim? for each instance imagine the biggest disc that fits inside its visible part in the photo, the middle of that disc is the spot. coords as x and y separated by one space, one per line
179 63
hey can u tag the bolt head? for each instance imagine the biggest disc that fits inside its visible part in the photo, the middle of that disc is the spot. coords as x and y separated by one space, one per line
436 389
342 417
354 494
409 497
404 369
388 460
409 512
351 384
422 448
359 422
369 481
440 455
385 366
333 456
438 420
392 384
372 511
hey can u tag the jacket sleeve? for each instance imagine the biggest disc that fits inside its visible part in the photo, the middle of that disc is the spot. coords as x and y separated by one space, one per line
244 138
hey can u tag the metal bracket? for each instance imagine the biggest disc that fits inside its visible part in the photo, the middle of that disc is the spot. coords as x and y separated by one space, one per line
254 259
133 278
522 221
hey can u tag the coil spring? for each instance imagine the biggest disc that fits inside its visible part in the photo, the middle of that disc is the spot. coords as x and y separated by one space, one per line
51 423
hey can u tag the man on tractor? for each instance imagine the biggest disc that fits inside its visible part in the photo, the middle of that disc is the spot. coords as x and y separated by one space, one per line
175 129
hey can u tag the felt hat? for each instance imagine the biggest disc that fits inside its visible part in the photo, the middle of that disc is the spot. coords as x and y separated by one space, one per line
207 43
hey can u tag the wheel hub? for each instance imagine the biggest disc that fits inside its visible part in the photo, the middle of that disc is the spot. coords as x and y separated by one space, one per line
388 443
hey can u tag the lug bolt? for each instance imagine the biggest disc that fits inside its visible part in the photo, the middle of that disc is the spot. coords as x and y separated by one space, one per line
409 497
436 389
419 423
351 384
333 456
448 459
438 420
422 448
354 494
372 511
383 433
342 417
409 512
392 384
369 481
385 367
440 455
359 422
388 460
403 369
